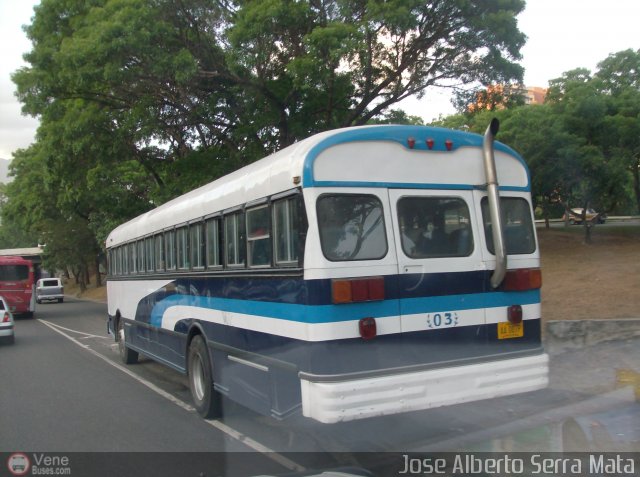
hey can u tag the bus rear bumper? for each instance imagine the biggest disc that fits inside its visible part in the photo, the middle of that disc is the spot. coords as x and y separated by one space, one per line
337 401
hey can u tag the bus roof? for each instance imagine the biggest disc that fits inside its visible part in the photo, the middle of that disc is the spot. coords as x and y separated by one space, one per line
8 260
338 158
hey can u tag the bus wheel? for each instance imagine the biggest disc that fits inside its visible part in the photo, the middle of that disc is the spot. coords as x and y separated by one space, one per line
205 398
128 356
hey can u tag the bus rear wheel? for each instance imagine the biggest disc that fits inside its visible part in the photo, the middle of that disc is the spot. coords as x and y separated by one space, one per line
206 400
127 356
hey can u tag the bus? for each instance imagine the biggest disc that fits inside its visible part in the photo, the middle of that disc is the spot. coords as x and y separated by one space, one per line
17 285
360 272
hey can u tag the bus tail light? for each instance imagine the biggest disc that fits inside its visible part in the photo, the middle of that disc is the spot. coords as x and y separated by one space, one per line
514 314
367 327
522 279
357 290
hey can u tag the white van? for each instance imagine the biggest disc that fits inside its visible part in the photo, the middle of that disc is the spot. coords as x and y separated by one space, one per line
49 289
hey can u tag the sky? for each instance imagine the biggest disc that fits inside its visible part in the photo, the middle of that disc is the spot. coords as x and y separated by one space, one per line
562 35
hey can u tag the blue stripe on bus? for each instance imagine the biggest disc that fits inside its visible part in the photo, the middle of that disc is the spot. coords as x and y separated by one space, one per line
399 135
345 312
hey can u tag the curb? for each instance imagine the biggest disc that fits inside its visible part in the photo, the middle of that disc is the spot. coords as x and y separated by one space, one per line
564 336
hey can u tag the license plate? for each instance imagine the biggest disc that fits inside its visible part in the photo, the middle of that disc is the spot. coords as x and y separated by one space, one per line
509 330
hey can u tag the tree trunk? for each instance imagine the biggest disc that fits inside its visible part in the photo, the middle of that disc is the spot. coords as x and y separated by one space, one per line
76 275
588 228
98 278
636 184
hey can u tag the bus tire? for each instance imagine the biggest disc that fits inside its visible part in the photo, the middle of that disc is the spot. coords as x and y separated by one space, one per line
206 400
127 356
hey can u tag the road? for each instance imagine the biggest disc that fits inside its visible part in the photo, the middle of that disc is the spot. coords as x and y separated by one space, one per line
613 222
63 389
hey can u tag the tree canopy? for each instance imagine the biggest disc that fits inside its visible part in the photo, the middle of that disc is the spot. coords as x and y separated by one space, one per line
583 144
142 100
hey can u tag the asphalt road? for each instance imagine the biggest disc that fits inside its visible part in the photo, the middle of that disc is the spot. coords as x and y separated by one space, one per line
63 389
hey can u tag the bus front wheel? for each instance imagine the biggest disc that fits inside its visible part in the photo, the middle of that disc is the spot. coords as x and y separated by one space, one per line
205 398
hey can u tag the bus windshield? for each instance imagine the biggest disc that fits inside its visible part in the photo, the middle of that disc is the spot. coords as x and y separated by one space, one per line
12 273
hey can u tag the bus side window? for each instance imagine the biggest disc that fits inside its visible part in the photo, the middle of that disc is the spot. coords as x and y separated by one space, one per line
182 236
159 252
170 249
259 237
234 236
131 262
196 245
149 253
213 242
140 246
285 231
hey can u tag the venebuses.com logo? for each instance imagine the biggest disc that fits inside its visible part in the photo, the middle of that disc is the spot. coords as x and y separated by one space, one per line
18 463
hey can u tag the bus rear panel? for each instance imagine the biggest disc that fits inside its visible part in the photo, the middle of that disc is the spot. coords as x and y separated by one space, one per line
17 284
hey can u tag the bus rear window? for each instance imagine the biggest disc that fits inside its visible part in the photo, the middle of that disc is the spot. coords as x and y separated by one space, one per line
11 273
351 227
518 227
435 227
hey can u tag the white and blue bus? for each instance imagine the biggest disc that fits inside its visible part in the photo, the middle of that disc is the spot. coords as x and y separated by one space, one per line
360 272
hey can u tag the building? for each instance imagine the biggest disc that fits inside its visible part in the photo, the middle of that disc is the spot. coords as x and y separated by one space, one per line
535 95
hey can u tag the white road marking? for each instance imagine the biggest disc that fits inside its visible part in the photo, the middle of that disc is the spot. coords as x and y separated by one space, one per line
86 335
237 435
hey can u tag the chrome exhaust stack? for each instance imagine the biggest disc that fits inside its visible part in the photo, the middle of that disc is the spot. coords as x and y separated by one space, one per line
493 195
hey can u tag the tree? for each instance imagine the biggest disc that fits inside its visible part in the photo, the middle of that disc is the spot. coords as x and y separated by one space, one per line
319 65
143 100
618 79
580 100
192 74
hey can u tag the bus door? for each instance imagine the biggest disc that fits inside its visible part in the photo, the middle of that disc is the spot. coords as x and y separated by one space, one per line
442 274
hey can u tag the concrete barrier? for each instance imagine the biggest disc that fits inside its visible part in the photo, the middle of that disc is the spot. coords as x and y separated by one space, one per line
566 335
